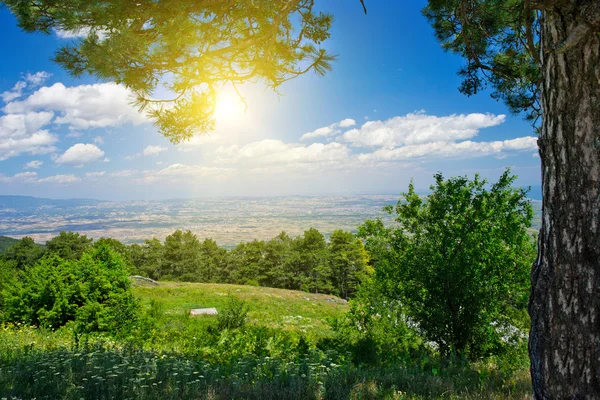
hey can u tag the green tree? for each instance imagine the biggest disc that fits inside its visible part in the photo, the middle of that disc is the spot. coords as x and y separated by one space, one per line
201 45
181 257
247 263
542 58
348 262
24 253
69 245
458 261
93 291
279 257
213 262
311 271
147 258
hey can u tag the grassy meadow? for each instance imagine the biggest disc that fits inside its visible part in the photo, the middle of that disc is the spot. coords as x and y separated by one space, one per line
276 355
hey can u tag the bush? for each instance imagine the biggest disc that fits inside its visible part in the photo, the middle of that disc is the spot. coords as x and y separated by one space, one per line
94 292
458 262
234 315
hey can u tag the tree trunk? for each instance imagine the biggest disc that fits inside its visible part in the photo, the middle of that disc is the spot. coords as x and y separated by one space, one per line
564 342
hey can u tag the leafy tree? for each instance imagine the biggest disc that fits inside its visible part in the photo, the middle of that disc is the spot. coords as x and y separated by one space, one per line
279 257
69 245
311 269
201 45
181 256
542 58
24 253
213 262
348 262
93 291
6 242
148 258
116 246
248 264
458 261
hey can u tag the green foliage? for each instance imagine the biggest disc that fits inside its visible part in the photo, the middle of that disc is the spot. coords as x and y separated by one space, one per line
306 262
499 40
94 292
201 46
69 245
6 242
234 315
457 263
23 253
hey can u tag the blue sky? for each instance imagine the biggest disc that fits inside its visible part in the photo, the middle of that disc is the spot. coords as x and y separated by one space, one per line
388 112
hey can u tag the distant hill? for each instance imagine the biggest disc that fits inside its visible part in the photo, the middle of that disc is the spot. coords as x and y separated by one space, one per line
6 242
29 202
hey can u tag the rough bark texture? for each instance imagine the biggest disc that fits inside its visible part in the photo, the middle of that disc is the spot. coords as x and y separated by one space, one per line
564 343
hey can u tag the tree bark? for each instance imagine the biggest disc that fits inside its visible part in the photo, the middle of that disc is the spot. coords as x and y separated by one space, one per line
564 342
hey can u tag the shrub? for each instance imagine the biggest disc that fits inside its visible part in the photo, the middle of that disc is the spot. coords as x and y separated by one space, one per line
234 315
94 292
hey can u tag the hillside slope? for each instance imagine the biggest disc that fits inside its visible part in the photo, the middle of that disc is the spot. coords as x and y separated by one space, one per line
288 309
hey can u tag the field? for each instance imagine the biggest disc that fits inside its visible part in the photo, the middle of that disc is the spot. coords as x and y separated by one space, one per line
183 357
275 308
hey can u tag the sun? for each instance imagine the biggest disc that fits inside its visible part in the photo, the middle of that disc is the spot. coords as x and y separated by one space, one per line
230 107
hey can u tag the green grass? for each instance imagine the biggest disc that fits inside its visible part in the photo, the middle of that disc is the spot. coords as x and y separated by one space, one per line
277 308
177 356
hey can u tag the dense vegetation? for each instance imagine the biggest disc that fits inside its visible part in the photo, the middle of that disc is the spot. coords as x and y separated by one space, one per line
437 298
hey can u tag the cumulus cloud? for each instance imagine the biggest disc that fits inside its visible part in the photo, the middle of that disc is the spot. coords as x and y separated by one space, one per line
154 150
38 143
35 164
420 128
272 152
24 177
330 130
465 149
23 133
80 154
82 107
29 80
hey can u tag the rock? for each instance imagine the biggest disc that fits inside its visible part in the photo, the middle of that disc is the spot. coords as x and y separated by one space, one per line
143 280
203 311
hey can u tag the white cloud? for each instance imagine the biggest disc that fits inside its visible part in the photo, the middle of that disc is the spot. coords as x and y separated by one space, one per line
419 128
126 173
38 143
180 172
79 33
80 154
72 34
26 177
29 80
330 130
60 179
38 78
271 152
82 107
99 140
22 133
32 177
75 135
35 164
154 150
465 149
93 175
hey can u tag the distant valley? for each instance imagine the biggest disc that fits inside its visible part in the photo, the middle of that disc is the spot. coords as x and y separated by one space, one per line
228 220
